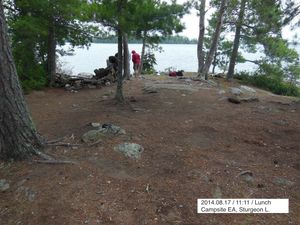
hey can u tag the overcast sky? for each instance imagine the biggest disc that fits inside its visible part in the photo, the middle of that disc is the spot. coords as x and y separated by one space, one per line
192 24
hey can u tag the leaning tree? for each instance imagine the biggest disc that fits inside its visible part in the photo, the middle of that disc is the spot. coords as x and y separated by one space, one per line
215 39
18 136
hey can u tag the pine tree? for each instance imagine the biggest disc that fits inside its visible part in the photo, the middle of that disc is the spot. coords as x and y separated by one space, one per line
38 26
215 39
200 52
18 136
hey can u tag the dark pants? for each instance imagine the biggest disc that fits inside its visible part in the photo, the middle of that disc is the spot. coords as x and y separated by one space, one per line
136 68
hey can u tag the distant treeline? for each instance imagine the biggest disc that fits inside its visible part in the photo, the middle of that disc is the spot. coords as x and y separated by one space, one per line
169 40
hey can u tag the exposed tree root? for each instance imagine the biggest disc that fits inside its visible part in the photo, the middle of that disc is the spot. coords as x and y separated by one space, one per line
54 141
54 161
46 159
63 144
95 143
43 155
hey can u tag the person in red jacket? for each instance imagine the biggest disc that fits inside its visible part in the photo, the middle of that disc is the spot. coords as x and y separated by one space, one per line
136 59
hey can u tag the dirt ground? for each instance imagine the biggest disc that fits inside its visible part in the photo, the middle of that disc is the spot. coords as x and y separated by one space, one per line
196 144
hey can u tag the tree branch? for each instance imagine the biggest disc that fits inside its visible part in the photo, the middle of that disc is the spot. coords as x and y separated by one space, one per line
257 62
9 8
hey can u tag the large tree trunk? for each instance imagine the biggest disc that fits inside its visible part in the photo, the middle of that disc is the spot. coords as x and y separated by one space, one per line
18 136
126 58
51 56
200 52
142 57
119 93
215 39
236 41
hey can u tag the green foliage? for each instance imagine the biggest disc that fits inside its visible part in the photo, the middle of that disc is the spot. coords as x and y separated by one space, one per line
269 83
149 62
261 32
156 20
36 81
174 39
29 27
271 70
293 72
28 39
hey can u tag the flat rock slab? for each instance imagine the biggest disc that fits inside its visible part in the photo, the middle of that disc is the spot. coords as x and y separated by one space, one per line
130 150
242 90
153 88
279 181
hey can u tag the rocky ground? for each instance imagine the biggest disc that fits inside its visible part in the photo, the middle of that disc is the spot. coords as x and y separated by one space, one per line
149 160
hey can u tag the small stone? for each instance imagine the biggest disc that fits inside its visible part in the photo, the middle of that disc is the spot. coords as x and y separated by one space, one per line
150 90
92 136
220 92
247 176
282 182
246 172
27 192
92 86
4 185
130 150
136 109
106 130
95 125
87 75
217 193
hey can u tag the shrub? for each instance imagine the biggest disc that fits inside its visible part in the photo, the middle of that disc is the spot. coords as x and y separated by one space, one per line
149 62
34 79
268 83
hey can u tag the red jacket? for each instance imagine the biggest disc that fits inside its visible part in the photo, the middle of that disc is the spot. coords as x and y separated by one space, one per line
136 59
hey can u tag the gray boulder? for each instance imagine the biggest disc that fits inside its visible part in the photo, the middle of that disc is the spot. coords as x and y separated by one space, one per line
236 91
242 94
247 89
130 150
238 100
106 130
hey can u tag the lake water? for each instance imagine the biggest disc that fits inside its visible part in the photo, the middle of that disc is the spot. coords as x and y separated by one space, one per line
177 56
